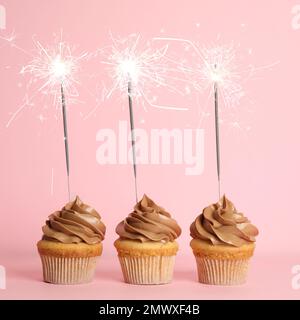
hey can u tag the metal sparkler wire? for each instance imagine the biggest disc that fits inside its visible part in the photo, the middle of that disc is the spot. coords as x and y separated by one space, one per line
66 139
133 140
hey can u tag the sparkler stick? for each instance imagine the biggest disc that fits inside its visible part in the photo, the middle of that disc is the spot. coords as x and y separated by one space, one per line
132 139
216 100
65 125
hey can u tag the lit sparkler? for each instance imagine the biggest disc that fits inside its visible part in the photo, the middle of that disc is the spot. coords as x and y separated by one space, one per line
54 69
221 75
218 72
134 73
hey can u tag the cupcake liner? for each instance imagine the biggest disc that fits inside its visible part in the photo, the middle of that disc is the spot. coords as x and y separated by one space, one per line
222 272
147 269
67 270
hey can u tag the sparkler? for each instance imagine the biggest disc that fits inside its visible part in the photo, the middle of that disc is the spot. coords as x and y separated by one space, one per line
56 68
134 73
219 73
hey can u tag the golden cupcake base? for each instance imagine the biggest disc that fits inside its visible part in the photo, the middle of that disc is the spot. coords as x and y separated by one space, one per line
222 272
222 264
68 263
147 270
146 263
58 270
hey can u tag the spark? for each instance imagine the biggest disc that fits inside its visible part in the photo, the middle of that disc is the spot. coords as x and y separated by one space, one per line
219 67
53 66
50 67
235 124
10 38
27 103
218 64
237 127
187 90
145 69
42 118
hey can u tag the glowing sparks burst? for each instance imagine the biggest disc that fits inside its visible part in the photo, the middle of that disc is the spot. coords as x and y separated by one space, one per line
215 65
9 38
50 68
145 69
219 65
219 68
54 66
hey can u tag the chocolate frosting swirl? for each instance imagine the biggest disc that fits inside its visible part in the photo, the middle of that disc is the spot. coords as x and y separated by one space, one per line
76 222
148 222
221 223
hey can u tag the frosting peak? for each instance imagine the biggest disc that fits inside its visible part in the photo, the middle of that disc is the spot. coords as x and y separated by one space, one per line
148 222
221 223
75 222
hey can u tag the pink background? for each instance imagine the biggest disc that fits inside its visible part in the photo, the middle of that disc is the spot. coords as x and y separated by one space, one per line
260 167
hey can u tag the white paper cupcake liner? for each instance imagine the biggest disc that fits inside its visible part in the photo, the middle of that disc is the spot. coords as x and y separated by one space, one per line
222 272
60 270
147 269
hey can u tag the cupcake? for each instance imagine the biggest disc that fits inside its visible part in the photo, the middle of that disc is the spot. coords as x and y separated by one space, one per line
147 247
71 244
223 243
